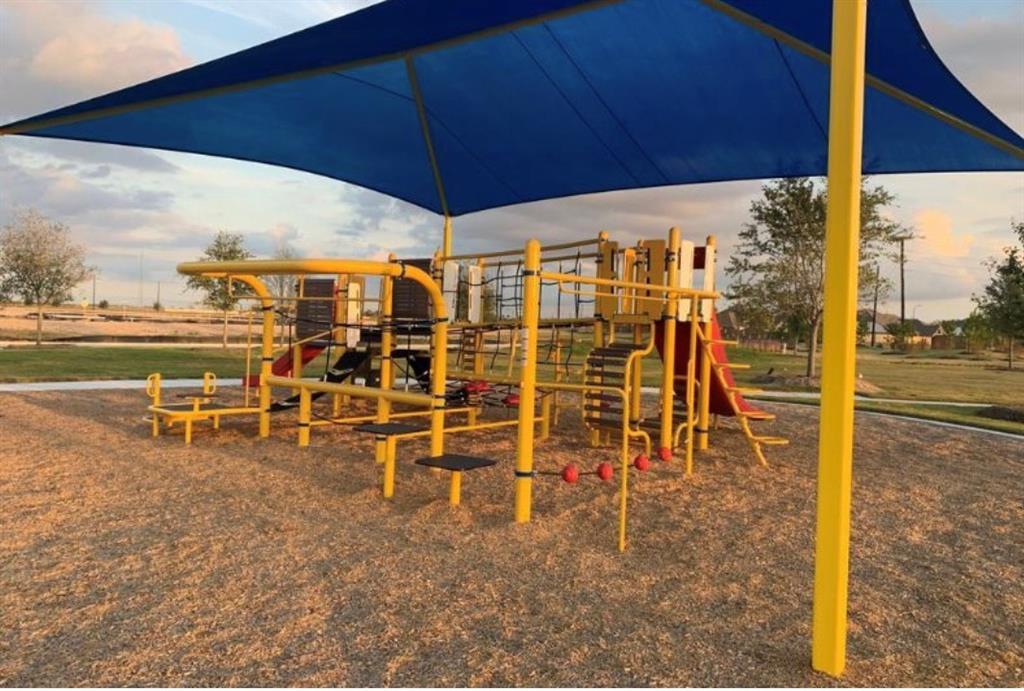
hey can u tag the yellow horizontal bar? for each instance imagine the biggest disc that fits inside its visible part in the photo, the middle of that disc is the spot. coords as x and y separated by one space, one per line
611 282
391 416
406 397
519 252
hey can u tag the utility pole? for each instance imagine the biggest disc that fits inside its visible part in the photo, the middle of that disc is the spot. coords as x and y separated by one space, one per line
874 307
158 294
94 290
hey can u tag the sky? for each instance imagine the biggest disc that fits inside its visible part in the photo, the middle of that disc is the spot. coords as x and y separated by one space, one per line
140 211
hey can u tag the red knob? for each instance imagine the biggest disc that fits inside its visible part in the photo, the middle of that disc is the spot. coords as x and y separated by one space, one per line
605 471
642 463
570 473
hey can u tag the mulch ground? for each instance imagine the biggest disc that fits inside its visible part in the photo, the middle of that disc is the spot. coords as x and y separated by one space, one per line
131 561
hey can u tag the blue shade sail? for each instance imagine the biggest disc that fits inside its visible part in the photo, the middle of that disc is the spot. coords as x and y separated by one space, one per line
462 105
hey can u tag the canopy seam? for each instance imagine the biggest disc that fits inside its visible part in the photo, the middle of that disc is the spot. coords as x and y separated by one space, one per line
800 90
614 116
547 75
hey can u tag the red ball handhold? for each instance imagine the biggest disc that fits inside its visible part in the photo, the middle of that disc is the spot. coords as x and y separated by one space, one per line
642 463
665 454
570 473
511 400
605 471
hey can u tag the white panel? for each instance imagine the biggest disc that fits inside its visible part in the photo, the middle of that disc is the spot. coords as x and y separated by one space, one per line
709 283
476 304
684 278
353 314
450 287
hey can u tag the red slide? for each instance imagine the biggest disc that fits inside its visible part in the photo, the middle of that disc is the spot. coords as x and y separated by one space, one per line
720 400
282 366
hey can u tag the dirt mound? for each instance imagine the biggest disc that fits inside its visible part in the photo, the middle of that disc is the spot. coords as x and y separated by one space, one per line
1003 412
781 381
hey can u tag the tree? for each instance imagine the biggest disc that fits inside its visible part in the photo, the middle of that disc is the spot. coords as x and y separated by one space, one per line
902 333
40 262
225 247
779 262
1002 303
281 285
977 331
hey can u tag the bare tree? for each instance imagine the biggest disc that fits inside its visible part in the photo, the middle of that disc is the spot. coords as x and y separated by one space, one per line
39 262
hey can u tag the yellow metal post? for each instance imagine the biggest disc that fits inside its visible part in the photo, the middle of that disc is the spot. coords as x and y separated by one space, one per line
842 243
704 402
438 372
668 346
455 491
528 381
389 466
153 389
691 375
386 336
305 409
297 361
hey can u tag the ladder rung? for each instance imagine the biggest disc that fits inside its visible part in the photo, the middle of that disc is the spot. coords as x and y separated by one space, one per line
757 415
730 365
721 341
742 389
771 441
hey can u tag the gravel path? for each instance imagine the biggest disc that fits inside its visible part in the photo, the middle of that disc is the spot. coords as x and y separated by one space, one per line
131 561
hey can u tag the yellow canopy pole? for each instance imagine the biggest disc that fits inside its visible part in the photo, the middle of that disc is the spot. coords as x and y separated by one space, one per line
528 381
842 244
446 240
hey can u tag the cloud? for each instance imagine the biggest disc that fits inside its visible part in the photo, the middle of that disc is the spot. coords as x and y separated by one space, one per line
56 51
935 230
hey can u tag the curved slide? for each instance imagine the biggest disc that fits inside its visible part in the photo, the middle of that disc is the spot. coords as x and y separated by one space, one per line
721 401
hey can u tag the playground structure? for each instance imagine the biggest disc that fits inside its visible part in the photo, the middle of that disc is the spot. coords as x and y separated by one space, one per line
518 331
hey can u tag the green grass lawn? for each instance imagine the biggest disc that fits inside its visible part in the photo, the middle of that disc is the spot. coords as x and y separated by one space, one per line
908 376
71 363
961 415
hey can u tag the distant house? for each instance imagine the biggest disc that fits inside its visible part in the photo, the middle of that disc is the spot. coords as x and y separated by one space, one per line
949 340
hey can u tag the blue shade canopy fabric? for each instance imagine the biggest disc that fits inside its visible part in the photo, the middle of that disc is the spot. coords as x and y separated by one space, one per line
462 105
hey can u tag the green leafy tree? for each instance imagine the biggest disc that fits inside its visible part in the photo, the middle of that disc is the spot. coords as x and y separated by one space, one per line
40 262
902 333
217 293
779 261
1003 300
977 331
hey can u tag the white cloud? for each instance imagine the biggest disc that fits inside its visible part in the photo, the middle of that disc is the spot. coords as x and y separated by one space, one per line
54 52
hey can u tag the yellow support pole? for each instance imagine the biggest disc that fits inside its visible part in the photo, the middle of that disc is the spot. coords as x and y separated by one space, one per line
691 373
528 381
455 491
386 336
842 244
297 361
668 346
153 389
389 466
305 410
266 343
704 403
